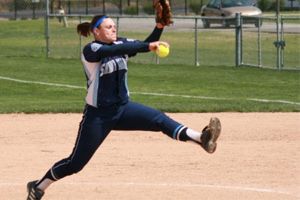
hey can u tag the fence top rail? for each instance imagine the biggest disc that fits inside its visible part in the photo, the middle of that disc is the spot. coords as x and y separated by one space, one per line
174 17
122 16
139 17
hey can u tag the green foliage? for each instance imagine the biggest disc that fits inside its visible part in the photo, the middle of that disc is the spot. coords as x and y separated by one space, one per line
195 7
115 2
273 5
131 10
264 5
148 9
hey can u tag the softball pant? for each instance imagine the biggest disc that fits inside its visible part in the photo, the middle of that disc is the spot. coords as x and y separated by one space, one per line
96 125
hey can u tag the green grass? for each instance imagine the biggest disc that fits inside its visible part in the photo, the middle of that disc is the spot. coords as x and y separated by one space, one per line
197 89
282 13
215 86
214 47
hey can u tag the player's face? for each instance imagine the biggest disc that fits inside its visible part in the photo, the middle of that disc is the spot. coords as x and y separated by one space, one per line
108 32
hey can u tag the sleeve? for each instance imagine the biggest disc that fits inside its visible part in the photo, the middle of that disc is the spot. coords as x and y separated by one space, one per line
94 52
155 35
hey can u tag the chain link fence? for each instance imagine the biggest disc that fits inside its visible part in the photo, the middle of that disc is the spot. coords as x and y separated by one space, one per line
274 45
32 9
191 44
22 9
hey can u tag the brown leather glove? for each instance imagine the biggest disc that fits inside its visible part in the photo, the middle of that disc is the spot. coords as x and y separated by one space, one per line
163 12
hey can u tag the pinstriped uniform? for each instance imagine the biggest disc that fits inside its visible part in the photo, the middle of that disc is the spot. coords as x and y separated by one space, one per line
108 106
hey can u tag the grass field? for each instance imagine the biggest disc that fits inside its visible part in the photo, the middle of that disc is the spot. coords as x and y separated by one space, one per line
27 85
215 48
27 78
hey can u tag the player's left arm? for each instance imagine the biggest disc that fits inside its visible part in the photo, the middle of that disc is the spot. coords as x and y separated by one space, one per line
156 33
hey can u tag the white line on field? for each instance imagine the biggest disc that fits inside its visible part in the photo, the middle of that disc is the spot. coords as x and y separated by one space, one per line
41 83
182 185
148 93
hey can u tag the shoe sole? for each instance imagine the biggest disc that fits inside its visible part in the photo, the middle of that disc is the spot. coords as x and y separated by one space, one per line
215 130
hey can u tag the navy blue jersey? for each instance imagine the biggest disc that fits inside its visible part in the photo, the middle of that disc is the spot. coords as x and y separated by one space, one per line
105 66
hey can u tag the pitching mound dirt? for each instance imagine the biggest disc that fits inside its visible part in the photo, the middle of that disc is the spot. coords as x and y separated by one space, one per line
258 157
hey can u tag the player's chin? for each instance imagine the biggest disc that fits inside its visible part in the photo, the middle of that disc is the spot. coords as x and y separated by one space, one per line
114 38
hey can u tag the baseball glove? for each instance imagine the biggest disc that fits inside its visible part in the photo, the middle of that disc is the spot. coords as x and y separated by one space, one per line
163 12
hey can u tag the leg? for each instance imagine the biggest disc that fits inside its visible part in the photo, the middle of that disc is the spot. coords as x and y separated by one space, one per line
135 116
139 117
93 130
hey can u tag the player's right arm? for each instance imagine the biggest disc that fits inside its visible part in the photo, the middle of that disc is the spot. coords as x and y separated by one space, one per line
94 52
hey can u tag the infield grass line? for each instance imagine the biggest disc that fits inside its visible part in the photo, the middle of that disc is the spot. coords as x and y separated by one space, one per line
149 93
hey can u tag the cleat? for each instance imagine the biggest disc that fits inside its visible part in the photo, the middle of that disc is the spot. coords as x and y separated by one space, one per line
210 135
34 193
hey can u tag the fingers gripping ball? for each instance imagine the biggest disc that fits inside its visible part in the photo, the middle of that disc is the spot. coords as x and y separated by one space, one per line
163 51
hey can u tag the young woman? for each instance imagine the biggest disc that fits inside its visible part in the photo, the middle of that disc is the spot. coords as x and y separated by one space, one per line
107 101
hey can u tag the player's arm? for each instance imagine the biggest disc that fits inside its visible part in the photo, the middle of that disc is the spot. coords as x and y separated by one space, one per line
95 52
156 33
163 17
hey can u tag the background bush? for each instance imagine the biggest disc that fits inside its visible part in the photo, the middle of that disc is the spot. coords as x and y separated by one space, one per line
273 5
131 10
195 7
148 9
264 5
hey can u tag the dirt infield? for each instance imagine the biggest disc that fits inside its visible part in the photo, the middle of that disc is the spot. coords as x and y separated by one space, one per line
258 157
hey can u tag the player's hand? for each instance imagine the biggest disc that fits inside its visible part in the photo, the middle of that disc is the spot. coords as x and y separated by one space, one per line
155 45
159 25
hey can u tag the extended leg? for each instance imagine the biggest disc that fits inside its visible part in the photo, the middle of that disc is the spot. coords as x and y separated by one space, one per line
139 117
92 132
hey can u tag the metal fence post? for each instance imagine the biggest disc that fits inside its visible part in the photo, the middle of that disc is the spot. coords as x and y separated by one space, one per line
278 42
103 5
80 39
86 7
33 10
118 26
47 30
185 7
137 7
120 7
157 59
196 42
282 44
259 43
241 41
237 39
69 7
16 8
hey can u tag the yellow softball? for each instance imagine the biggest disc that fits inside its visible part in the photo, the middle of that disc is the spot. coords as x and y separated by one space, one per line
163 51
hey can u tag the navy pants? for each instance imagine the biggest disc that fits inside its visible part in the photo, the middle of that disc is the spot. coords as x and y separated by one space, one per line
96 125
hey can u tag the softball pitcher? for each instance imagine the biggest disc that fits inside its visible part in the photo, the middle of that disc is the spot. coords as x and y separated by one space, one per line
107 101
